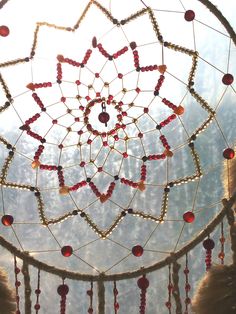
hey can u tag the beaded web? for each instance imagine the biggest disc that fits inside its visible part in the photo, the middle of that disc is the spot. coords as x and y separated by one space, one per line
112 135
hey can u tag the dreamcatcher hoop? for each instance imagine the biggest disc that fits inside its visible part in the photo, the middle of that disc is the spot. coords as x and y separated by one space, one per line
227 205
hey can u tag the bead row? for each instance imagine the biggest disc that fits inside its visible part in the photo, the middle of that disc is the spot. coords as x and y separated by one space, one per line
38 101
164 142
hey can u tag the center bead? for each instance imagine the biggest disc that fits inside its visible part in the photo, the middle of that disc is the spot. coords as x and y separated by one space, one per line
104 117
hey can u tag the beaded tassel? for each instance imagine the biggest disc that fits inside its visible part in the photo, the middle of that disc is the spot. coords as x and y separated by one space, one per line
63 290
116 304
221 255
187 287
170 289
208 245
17 285
143 284
90 294
37 292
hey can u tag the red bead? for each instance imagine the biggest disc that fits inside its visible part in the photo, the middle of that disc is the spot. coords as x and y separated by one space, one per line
63 290
4 31
168 304
7 220
37 307
189 15
189 217
66 251
228 153
143 283
37 291
90 292
104 117
116 306
137 250
208 244
90 310
187 301
228 79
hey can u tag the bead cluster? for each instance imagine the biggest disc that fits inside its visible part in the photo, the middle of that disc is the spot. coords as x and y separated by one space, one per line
17 285
37 292
143 284
187 286
170 290
38 101
221 255
208 245
90 295
63 290
116 304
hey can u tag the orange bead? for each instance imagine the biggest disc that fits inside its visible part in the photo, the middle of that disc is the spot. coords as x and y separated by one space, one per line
30 86
162 68
141 186
168 153
179 110
60 58
103 198
35 164
64 190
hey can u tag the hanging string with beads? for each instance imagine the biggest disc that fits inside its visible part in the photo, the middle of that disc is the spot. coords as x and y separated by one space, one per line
25 271
90 294
63 290
116 304
170 289
208 245
143 284
17 285
176 290
187 286
37 292
221 255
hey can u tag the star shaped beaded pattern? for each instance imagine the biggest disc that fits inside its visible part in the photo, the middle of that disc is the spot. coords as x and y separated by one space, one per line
123 127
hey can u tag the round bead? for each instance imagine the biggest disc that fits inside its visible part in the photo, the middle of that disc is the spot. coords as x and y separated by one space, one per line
66 251
63 290
35 164
189 15
37 306
94 42
179 110
64 190
189 217
208 244
143 283
228 153
137 250
104 117
7 220
228 79
4 31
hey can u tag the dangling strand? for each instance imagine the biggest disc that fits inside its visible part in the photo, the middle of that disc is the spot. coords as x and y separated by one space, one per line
116 304
90 294
63 290
170 289
143 284
208 245
17 285
221 255
37 292
187 286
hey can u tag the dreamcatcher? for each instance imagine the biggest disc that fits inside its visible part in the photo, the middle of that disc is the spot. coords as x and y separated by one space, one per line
115 132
